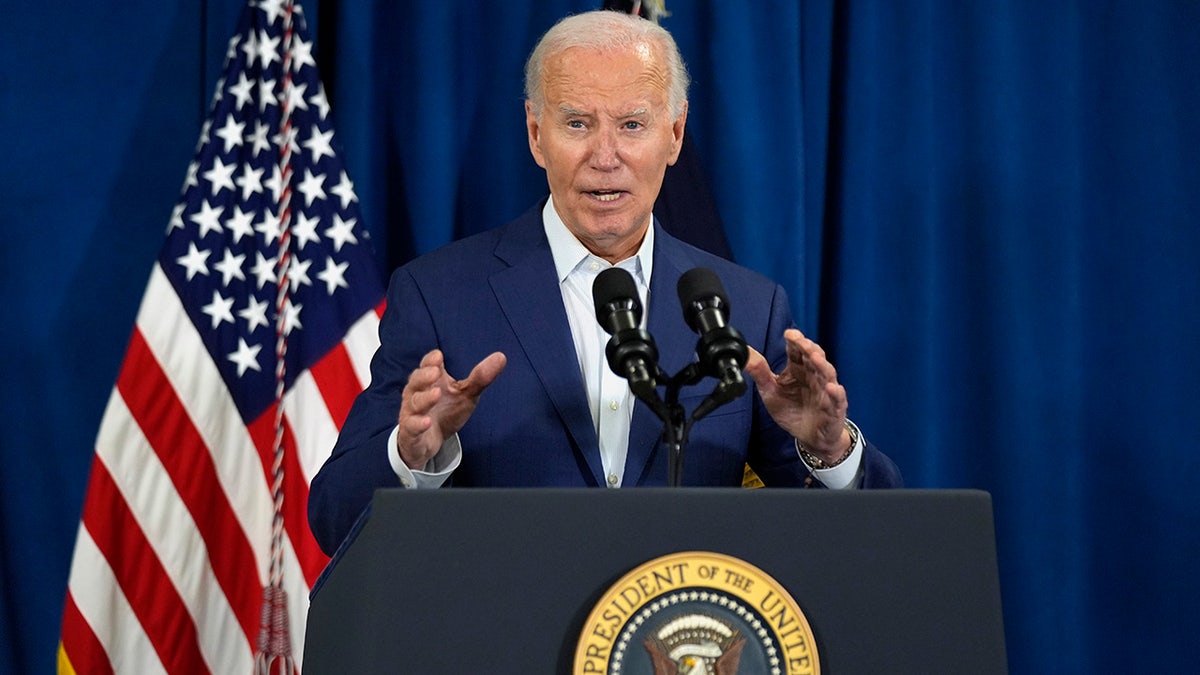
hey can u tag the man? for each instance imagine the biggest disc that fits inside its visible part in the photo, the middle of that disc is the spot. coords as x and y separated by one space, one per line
512 309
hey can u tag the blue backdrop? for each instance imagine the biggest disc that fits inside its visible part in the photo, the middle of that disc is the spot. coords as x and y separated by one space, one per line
989 213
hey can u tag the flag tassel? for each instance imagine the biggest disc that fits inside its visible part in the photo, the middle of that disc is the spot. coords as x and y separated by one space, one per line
274 642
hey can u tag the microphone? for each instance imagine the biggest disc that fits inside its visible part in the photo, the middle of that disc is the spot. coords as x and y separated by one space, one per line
631 351
721 349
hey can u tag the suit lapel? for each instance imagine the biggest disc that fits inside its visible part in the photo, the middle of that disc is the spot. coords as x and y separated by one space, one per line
528 294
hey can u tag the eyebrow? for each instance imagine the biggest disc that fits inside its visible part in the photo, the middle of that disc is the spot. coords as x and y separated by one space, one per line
574 112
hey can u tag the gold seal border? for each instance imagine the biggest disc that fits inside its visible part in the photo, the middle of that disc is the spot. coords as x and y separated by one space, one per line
700 570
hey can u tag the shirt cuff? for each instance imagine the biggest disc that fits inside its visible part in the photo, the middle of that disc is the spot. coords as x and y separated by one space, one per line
840 477
436 471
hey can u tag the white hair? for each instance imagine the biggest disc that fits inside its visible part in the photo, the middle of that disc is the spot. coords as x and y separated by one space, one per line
606 30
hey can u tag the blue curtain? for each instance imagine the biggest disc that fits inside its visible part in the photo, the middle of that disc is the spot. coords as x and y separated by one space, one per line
989 213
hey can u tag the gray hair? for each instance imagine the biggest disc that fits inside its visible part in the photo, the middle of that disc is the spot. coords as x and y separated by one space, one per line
606 30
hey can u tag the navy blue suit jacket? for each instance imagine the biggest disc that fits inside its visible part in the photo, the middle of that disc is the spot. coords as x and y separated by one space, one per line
498 291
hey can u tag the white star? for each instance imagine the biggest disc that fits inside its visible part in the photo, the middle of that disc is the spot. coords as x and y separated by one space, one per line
220 175
241 90
190 179
319 144
273 8
275 183
305 230
220 93
231 132
239 224
345 190
268 49
246 357
176 217
266 95
195 262
295 97
259 137
334 275
230 268
250 47
263 270
220 309
269 227
250 181
298 273
302 55
204 134
312 187
231 49
291 317
292 133
341 231
318 99
208 219
255 313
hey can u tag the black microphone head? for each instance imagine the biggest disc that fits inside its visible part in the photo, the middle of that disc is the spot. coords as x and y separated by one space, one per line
699 289
615 289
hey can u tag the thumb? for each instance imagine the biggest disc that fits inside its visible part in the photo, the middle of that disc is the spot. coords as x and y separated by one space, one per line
760 371
484 373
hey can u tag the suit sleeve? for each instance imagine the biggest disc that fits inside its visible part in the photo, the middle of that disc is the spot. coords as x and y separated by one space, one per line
359 462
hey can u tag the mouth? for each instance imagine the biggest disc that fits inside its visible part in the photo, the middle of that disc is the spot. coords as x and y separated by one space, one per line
605 195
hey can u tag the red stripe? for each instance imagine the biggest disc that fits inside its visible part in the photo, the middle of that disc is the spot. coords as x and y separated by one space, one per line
295 493
83 648
141 575
380 307
168 428
335 378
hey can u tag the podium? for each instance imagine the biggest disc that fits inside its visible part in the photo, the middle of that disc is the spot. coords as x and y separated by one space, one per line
483 580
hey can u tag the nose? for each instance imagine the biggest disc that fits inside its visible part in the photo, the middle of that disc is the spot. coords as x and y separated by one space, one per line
606 155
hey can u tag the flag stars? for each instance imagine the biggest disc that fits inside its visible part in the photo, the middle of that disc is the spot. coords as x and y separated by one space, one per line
298 273
266 95
304 231
312 187
334 275
258 138
291 317
220 176
230 268
239 224
250 181
220 310
241 91
295 97
209 218
195 262
263 270
275 183
302 55
344 189
246 357
269 227
320 144
255 313
268 49
320 101
341 231
231 132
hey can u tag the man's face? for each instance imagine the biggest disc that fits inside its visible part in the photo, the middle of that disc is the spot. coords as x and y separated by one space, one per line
605 138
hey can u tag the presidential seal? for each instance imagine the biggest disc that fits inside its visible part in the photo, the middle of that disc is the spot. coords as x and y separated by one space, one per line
696 613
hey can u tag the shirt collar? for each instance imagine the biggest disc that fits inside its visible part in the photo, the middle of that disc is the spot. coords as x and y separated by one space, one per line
569 253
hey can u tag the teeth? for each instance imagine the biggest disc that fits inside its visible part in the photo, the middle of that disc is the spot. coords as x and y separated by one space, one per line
606 196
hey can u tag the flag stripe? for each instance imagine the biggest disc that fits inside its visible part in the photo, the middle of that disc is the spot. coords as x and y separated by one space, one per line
141 576
107 611
168 526
185 456
87 654
338 390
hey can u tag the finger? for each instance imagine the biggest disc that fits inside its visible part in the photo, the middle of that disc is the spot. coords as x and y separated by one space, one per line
759 370
483 374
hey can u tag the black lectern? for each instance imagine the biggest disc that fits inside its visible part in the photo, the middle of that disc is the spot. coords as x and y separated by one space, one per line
462 581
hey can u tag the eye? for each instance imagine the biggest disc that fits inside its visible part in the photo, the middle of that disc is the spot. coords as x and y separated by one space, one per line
575 124
632 125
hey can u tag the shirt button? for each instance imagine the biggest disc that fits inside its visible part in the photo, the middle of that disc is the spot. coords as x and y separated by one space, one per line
612 479
613 405
594 266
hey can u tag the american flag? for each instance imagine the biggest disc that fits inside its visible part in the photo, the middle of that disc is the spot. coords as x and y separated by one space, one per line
196 505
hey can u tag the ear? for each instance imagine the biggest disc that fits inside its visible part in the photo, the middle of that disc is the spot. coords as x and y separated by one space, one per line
677 135
534 129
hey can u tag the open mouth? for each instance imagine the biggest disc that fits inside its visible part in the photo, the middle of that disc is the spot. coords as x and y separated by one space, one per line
605 195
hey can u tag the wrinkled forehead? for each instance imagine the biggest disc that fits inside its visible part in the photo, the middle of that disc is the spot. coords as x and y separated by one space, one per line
630 71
